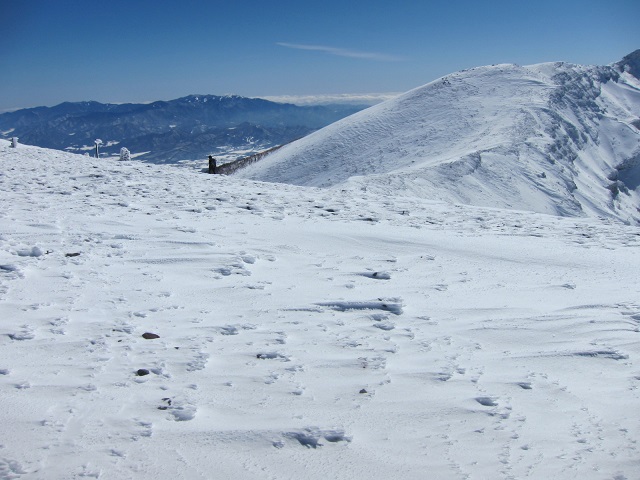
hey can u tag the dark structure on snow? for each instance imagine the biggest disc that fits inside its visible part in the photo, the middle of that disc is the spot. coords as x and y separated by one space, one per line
231 167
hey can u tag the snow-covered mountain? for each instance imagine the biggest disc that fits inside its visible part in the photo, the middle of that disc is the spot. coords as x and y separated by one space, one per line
553 138
186 128
157 322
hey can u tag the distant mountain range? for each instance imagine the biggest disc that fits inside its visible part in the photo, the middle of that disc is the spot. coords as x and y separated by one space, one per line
553 138
187 128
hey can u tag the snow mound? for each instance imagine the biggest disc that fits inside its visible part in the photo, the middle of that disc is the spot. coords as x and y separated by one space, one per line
551 138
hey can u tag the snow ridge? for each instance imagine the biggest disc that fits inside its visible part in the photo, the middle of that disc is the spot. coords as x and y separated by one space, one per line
553 138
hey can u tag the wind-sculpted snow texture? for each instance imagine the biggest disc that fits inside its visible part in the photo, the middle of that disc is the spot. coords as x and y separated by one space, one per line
157 322
551 138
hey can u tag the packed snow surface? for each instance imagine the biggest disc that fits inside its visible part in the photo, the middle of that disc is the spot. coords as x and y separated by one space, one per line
158 322
551 138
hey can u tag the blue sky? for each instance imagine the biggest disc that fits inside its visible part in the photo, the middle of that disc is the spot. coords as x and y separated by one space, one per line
136 51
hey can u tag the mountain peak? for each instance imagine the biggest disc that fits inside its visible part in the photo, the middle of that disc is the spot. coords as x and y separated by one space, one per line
503 136
631 63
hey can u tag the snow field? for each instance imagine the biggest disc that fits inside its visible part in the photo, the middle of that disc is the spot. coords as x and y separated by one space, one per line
304 333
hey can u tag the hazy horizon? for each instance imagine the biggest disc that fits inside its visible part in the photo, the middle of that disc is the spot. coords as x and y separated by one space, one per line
124 52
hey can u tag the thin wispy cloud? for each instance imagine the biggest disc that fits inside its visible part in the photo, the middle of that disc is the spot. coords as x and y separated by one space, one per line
344 52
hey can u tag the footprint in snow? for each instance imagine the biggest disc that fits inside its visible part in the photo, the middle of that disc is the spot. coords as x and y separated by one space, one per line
487 401
11 268
10 469
246 258
273 356
30 252
228 330
57 325
180 411
25 334
143 429
374 363
312 436
385 325
198 363
234 269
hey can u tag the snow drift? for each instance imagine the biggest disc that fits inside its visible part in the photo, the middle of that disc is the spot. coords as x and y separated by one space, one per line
552 138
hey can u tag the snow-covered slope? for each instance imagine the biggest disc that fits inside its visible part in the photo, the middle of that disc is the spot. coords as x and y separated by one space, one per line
304 333
553 138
